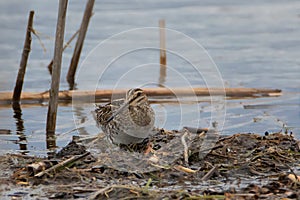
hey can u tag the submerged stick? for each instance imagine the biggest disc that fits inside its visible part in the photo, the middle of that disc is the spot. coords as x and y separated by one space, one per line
23 63
79 44
27 97
54 91
163 55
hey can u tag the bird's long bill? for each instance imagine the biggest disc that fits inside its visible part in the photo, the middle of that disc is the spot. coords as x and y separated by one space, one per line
116 112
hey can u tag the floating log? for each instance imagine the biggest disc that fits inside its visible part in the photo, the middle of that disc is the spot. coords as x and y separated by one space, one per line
6 97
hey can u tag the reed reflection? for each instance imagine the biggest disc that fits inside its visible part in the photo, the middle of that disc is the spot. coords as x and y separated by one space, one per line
19 126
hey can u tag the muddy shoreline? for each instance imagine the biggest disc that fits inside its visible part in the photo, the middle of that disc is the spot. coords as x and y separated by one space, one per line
240 166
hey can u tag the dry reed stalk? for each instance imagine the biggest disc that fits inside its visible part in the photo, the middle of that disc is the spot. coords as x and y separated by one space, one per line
23 63
163 54
54 91
79 44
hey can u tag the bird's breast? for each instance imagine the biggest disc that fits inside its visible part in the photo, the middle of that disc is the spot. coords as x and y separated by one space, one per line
141 115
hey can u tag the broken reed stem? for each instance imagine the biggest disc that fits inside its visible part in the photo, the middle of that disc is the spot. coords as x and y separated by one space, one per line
185 147
79 44
209 173
53 100
162 35
66 45
163 55
23 63
62 165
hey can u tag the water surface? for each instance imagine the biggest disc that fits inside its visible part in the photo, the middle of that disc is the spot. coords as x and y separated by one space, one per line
253 44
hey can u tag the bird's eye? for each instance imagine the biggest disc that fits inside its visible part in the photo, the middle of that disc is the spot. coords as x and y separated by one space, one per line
139 94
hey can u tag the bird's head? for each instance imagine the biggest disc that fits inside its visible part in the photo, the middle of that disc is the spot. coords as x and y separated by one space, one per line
135 97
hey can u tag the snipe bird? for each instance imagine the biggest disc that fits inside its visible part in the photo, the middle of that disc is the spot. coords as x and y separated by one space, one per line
127 121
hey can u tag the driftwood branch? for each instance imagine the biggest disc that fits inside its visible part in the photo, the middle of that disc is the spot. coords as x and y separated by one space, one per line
6 97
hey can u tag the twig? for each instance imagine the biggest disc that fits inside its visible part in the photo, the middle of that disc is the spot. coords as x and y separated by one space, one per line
253 171
101 191
209 173
109 188
160 166
23 63
148 184
185 169
62 164
39 39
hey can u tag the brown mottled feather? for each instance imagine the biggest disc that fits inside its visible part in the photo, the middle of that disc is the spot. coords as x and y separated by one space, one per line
131 124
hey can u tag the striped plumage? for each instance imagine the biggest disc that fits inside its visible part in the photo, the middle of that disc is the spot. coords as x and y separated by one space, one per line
127 121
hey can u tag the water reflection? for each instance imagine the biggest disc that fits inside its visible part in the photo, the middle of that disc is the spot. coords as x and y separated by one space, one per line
80 113
19 126
162 75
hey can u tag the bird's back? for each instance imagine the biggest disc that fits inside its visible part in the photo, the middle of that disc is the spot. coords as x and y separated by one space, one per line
131 125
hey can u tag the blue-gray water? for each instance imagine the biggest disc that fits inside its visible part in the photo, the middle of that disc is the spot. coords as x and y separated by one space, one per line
253 44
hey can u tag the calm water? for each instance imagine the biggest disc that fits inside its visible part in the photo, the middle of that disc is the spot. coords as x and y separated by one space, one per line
252 44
